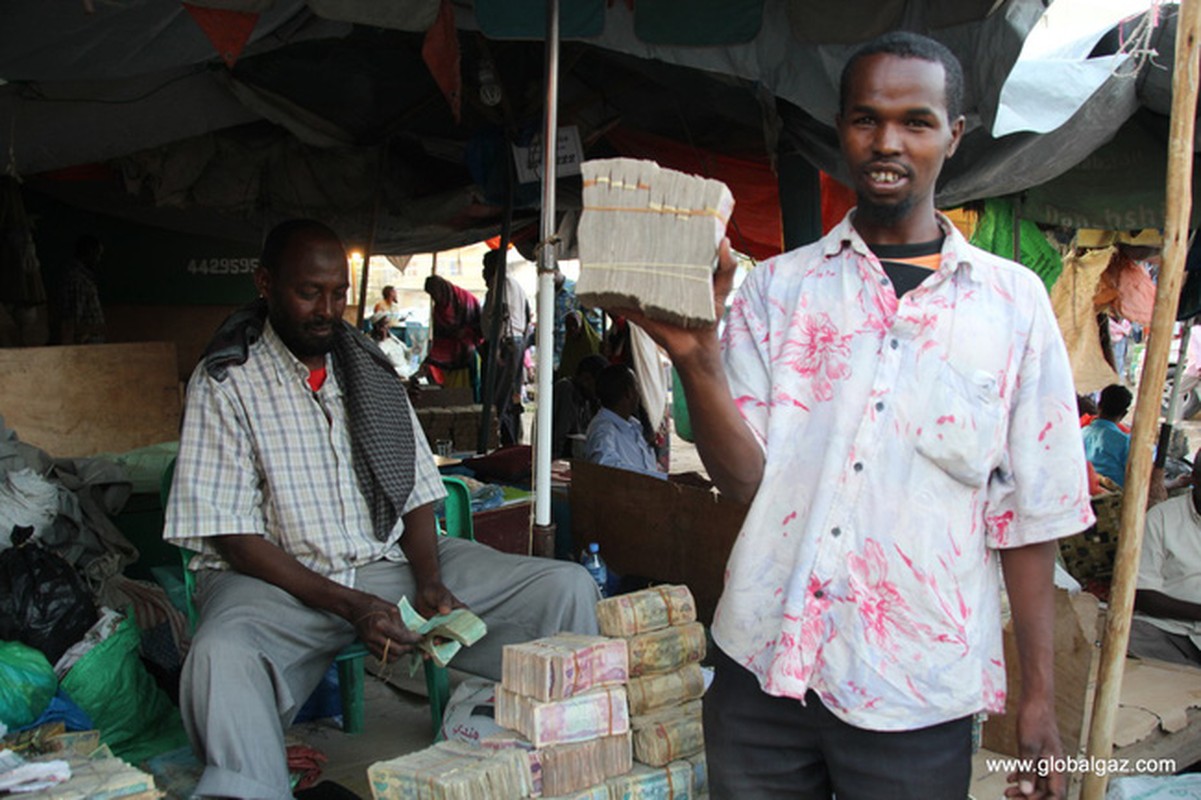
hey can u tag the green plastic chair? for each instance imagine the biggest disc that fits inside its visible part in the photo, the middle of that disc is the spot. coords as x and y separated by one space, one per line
351 659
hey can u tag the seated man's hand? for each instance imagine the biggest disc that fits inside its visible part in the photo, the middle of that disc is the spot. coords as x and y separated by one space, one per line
433 598
378 625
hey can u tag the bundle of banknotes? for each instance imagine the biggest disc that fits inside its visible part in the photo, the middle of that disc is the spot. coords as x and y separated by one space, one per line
665 689
666 649
600 712
451 771
564 665
672 782
564 769
648 610
444 635
669 734
648 239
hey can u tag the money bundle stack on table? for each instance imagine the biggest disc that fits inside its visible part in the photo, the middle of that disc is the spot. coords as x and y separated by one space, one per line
666 646
648 239
451 771
565 695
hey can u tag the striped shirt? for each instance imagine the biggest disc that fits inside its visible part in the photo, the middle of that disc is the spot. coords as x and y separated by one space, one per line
262 453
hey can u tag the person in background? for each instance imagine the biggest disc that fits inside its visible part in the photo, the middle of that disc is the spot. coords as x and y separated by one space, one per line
576 403
507 300
390 306
580 341
1167 597
393 348
455 335
82 320
307 488
1107 446
615 436
896 408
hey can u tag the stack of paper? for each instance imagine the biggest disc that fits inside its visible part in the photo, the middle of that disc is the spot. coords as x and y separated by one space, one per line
669 735
700 774
648 239
648 610
673 782
665 689
444 635
564 665
667 649
562 769
601 712
451 771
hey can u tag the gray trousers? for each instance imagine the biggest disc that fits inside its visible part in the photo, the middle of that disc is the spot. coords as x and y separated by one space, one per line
1148 641
259 652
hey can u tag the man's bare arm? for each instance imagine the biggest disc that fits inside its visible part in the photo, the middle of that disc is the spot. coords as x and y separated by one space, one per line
725 444
376 621
1158 604
1029 578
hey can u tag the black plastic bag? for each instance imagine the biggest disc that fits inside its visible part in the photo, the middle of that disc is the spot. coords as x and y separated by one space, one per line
43 601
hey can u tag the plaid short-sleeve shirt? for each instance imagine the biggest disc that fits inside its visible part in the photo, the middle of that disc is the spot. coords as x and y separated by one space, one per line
262 453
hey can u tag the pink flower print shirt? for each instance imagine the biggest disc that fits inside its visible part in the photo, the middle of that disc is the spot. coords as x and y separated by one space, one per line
906 442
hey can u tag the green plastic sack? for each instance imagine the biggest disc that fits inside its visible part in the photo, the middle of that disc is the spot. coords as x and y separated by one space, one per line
27 683
133 715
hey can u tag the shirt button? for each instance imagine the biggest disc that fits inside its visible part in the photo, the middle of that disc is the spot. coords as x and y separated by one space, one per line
880 406
894 344
858 466
836 532
819 594
884 281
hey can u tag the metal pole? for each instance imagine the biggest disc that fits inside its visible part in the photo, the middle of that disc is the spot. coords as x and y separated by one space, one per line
1150 394
497 290
546 291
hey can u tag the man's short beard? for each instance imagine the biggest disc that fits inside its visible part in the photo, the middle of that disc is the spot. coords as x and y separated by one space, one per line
884 215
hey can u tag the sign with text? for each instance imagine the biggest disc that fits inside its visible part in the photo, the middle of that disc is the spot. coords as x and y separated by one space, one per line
568 154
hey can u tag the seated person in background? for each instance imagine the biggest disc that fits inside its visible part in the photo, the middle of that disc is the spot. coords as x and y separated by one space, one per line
1106 446
308 489
393 348
615 435
575 404
1167 600
579 342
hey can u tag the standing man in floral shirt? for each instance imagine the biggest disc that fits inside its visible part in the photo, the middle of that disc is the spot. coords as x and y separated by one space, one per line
897 408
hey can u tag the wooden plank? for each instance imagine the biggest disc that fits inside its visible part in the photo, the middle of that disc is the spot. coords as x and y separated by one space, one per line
664 531
88 399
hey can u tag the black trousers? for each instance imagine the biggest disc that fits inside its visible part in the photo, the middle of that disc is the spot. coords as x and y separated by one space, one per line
760 746
507 389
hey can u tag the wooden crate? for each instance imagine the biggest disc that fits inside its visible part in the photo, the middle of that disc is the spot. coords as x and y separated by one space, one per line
86 399
656 529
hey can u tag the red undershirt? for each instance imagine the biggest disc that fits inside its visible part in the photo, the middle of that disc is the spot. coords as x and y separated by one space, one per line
316 378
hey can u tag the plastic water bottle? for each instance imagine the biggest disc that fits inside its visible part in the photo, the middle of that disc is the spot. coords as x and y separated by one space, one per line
596 567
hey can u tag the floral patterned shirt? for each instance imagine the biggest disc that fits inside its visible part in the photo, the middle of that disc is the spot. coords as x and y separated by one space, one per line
906 441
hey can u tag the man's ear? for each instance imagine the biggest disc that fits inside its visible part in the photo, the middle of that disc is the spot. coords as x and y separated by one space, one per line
956 135
262 281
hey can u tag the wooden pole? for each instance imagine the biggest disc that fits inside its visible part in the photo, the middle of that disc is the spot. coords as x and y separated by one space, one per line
1150 392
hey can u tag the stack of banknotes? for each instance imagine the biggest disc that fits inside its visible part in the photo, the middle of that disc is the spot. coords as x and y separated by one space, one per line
451 771
648 239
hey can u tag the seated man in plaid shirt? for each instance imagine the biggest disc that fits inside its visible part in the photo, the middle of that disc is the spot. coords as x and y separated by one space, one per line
308 490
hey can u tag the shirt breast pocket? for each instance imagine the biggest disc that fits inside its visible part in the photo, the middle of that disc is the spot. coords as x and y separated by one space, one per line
961 423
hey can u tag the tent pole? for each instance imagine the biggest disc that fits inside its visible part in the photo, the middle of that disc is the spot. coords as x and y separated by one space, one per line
379 194
497 288
1142 437
544 533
